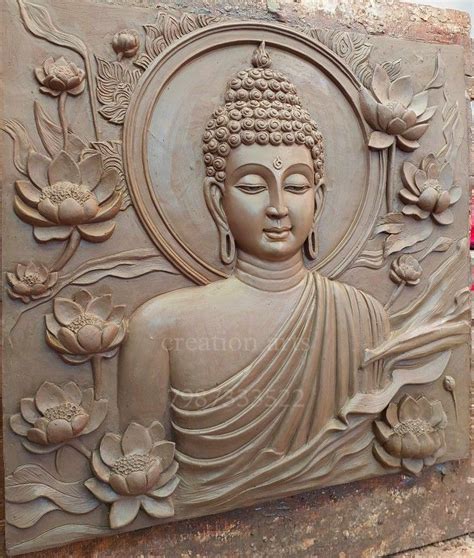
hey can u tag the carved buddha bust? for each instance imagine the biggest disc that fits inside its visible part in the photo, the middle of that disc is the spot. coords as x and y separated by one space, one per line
248 372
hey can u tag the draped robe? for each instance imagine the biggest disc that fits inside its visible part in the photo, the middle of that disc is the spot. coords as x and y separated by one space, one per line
271 429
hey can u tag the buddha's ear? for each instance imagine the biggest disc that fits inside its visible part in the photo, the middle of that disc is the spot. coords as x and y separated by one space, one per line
213 193
319 200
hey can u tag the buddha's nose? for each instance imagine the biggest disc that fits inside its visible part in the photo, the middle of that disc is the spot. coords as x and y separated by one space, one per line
277 212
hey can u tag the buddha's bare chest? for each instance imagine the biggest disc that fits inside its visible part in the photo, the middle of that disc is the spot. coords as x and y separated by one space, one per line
210 348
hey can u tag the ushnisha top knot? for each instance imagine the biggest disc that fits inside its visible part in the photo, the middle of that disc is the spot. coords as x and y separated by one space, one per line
260 57
261 106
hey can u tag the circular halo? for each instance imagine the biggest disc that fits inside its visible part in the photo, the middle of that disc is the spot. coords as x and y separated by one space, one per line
163 146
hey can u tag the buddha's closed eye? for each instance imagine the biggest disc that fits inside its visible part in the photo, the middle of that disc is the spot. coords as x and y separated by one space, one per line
251 188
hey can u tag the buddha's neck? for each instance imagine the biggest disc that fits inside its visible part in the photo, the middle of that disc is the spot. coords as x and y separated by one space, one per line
268 275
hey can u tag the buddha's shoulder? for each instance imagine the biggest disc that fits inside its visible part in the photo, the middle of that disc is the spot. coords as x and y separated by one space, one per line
346 293
189 303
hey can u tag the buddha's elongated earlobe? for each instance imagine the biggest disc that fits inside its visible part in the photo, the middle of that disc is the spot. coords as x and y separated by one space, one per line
213 196
311 243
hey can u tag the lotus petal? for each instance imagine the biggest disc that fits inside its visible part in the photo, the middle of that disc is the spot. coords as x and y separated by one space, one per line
427 444
164 451
54 343
384 116
90 208
420 179
109 209
444 201
70 212
100 306
166 490
137 482
153 474
455 194
438 417
427 115
408 408
136 439
18 425
108 335
96 232
380 83
28 410
79 422
99 468
49 395
51 324
380 140
59 430
446 176
97 415
415 211
37 436
49 210
409 117
91 170
396 126
419 103
28 193
82 298
157 508
63 168
445 218
410 445
401 91
101 491
391 414
382 431
428 199
167 475
118 483
73 392
408 175
65 310
156 430
117 314
385 458
38 169
413 465
407 196
110 449
40 74
45 234
90 337
369 108
29 214
107 185
407 145
415 132
88 403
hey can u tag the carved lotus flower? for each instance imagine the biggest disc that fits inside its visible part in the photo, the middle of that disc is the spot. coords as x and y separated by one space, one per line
412 434
133 471
30 282
56 416
405 269
60 76
64 196
396 114
126 43
85 326
429 190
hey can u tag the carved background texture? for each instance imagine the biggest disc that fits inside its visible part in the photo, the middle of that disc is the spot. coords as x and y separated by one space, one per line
88 265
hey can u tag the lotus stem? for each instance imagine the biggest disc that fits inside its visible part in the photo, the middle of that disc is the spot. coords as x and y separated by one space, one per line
390 175
69 251
395 294
62 116
88 65
81 448
97 372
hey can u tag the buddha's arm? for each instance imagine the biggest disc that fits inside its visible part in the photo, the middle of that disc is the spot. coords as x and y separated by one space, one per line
143 375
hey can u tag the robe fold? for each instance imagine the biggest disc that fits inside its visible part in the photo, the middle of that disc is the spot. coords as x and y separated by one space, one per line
272 428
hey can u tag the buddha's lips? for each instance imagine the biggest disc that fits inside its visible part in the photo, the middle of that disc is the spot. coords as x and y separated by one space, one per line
277 233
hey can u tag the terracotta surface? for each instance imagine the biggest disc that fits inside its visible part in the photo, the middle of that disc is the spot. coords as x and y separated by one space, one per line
308 201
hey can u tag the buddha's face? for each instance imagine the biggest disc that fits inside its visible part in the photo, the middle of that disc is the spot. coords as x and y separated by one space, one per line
268 199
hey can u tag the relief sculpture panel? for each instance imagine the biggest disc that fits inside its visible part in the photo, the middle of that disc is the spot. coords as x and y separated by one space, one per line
237 264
